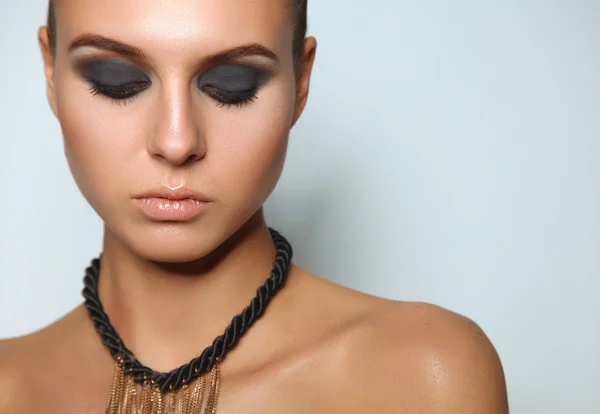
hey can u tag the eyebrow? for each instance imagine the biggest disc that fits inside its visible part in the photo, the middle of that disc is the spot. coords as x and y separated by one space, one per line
105 43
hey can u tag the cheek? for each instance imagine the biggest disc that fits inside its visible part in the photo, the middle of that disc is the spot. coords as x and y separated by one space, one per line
99 140
247 146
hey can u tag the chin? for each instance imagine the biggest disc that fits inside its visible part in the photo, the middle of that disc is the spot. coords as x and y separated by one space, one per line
171 244
173 254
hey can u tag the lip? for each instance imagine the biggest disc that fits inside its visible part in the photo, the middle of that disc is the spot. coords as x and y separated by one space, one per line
180 193
165 204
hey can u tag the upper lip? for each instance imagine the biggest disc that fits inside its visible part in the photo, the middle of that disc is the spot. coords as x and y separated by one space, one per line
181 193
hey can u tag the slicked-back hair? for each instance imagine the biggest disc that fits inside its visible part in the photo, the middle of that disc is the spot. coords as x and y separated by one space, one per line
299 19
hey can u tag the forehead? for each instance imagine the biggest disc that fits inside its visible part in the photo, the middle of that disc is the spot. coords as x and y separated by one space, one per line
172 26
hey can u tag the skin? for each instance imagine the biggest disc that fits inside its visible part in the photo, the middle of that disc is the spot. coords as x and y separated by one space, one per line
319 347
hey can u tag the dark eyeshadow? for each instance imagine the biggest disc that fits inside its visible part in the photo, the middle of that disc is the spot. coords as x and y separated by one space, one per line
112 72
233 77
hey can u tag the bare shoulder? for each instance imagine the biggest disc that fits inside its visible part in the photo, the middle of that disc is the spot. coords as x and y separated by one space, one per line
18 388
390 356
34 367
430 359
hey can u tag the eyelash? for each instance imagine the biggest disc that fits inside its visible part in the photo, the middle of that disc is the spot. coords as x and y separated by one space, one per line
127 93
239 98
118 94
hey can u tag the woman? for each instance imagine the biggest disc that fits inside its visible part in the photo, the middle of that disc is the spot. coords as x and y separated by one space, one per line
175 118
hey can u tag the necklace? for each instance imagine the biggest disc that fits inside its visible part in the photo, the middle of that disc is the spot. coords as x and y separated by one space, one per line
181 391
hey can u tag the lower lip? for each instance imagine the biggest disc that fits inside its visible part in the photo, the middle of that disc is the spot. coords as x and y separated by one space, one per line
171 210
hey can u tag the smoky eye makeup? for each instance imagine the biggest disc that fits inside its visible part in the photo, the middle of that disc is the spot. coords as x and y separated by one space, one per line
114 78
227 83
233 83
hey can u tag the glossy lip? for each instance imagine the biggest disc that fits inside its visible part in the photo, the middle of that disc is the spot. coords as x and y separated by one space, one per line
165 204
181 193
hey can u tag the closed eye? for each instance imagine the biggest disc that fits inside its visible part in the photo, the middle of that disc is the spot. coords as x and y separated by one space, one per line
114 78
119 92
233 84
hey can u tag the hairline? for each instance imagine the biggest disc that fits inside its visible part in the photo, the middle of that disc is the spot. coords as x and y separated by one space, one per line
300 23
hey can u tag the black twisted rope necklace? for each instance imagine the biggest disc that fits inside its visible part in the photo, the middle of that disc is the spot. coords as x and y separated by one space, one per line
221 345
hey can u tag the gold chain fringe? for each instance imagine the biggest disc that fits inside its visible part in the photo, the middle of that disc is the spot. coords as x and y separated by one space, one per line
123 398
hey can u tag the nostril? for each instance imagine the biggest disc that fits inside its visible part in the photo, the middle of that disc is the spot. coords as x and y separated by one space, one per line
194 157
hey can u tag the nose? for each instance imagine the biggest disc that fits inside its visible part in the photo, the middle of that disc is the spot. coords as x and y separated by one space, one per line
176 138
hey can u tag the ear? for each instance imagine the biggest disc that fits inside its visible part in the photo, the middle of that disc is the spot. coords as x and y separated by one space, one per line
48 59
303 76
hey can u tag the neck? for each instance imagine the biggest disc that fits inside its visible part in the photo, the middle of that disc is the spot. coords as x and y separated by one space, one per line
167 314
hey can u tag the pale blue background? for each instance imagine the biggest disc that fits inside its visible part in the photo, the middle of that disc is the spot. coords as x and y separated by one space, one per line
450 153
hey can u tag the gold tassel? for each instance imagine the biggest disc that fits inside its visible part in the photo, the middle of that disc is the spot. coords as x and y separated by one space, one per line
130 397
157 402
213 392
170 406
125 399
184 400
197 399
114 404
146 403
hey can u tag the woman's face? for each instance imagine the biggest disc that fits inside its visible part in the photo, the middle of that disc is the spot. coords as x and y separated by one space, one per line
189 95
